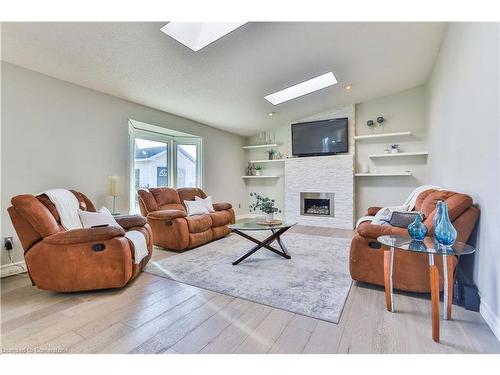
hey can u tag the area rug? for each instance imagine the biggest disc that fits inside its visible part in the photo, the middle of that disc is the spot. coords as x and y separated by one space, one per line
315 282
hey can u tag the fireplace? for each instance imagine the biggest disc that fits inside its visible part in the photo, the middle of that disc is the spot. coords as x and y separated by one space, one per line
317 204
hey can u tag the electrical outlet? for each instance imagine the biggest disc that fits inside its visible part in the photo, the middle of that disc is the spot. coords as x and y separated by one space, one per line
8 243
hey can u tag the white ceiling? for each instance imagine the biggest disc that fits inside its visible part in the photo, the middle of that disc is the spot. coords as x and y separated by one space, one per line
224 84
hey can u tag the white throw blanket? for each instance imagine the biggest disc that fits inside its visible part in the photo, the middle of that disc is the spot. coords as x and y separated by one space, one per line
67 207
383 215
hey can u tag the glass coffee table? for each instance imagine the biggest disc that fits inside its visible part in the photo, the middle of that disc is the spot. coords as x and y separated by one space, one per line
431 248
277 231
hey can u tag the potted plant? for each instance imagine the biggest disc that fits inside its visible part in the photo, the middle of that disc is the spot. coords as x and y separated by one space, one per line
266 205
258 170
271 154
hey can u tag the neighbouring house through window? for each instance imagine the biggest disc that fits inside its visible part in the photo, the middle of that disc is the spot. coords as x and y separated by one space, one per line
162 157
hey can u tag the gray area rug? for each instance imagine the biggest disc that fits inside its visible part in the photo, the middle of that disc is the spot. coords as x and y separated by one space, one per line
315 282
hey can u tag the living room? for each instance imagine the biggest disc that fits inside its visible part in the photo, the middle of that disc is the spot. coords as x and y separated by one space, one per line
250 187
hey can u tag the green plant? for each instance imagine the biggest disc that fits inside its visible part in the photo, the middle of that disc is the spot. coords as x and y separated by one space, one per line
266 205
258 167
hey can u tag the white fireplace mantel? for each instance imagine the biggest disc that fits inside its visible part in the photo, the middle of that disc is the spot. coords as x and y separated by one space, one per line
329 174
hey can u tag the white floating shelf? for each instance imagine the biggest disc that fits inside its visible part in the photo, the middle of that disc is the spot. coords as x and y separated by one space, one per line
381 135
420 153
259 177
394 174
266 161
249 147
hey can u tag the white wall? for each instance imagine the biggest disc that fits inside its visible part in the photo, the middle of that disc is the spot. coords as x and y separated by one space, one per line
402 111
57 134
463 110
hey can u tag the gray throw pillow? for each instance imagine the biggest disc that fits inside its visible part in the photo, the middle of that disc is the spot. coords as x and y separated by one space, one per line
402 219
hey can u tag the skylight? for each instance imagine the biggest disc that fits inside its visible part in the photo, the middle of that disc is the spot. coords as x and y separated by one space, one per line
196 35
303 88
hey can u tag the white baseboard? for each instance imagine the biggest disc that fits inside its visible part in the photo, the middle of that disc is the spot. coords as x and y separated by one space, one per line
12 269
491 319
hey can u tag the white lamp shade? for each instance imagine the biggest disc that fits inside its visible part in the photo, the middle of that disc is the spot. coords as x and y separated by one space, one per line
114 185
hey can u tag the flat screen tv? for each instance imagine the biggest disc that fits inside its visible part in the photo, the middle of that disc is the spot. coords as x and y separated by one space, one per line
325 137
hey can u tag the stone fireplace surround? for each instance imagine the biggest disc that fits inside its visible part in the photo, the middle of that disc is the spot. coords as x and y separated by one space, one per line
330 174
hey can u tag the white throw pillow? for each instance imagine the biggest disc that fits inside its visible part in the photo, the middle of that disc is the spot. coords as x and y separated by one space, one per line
195 208
102 217
207 202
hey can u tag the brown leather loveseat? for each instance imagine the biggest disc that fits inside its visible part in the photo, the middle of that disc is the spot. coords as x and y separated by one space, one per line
366 262
79 259
172 228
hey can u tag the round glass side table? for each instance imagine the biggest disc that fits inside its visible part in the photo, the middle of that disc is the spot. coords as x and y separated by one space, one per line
432 248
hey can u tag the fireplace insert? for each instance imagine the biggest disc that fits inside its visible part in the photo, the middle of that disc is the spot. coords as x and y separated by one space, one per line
317 204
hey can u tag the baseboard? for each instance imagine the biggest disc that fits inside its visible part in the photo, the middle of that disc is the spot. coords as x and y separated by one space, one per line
491 319
12 269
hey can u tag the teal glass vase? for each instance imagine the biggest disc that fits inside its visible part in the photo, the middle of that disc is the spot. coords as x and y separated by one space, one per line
438 215
417 230
445 233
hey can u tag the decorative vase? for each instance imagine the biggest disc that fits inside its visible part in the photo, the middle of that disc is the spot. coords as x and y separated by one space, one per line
417 230
438 215
257 172
445 233
269 217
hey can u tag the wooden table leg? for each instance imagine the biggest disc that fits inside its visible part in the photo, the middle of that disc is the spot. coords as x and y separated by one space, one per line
434 279
388 268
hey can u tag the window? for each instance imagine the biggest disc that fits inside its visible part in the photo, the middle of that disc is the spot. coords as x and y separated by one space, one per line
161 157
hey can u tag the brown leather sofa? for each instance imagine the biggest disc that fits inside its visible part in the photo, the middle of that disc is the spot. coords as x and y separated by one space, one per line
80 259
172 228
366 262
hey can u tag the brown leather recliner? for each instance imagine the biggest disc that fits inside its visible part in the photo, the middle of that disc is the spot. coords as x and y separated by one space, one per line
366 262
172 228
75 260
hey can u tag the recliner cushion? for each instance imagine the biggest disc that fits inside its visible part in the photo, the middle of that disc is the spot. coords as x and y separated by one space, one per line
164 196
220 218
199 223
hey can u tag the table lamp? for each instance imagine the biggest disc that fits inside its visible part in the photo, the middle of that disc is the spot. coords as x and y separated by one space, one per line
114 190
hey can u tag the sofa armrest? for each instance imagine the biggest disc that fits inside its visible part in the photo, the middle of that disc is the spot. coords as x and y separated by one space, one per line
368 230
166 214
76 236
222 206
130 221
372 211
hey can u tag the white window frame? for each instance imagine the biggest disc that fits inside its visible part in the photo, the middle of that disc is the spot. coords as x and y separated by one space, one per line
161 135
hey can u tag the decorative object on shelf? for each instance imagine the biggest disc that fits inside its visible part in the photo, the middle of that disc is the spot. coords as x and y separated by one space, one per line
417 230
258 170
380 120
445 233
271 154
114 190
265 205
250 169
279 156
386 151
370 124
394 148
363 168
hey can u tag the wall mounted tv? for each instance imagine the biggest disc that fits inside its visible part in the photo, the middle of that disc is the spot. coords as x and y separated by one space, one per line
315 138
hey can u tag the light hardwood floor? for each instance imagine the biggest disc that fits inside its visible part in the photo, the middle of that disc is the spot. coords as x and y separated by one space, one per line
156 315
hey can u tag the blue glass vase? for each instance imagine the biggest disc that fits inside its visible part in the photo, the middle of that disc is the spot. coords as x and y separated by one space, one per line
445 233
438 215
417 230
